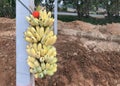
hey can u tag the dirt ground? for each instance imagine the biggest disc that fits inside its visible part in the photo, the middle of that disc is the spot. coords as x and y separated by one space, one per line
77 66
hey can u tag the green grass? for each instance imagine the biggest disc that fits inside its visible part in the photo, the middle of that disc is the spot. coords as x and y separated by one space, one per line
90 19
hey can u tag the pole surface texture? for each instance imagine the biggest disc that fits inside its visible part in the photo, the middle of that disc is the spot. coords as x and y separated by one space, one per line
55 16
23 76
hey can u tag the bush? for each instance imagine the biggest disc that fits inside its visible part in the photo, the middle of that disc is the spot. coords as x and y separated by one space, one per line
7 8
89 19
7 12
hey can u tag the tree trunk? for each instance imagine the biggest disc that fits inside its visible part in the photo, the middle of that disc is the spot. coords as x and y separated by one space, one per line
79 15
108 10
87 7
78 9
117 8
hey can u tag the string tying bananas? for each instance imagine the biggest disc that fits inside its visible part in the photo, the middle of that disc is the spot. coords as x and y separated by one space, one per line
41 52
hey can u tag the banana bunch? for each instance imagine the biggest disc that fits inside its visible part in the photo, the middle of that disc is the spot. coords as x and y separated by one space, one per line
39 50
40 36
37 34
41 68
34 34
49 39
45 19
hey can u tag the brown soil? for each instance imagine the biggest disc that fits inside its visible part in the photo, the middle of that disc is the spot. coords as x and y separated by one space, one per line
76 65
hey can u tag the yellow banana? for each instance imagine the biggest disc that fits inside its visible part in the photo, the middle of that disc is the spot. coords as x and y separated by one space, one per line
55 65
51 51
44 15
33 53
34 39
51 40
54 60
49 59
38 54
47 66
32 34
28 51
44 38
36 75
32 30
49 14
28 19
41 14
36 63
38 32
47 30
46 22
54 69
43 65
39 69
34 47
32 21
31 70
38 36
35 21
41 32
45 48
31 64
44 72
41 23
28 33
42 59
39 47
31 59
38 29
42 51
29 46
50 22
29 39
50 73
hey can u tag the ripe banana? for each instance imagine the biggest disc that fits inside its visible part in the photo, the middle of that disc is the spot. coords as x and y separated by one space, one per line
37 50
34 35
31 64
51 52
28 39
47 30
51 40
31 59
32 21
41 54
49 14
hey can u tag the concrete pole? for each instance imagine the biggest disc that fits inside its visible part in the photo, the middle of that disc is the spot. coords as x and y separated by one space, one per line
23 76
55 16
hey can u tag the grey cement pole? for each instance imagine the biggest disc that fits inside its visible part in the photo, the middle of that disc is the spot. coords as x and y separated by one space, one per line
23 76
55 16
